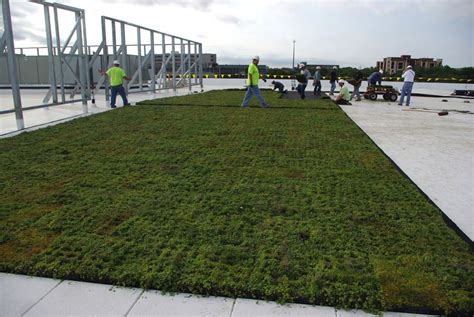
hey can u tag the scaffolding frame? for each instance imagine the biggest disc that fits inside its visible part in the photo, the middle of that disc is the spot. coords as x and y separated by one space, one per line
59 59
7 44
157 45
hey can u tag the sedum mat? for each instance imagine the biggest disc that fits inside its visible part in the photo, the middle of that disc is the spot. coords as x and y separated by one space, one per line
192 194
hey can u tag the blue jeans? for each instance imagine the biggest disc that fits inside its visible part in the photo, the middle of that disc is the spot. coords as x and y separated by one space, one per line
118 90
333 87
301 88
253 90
356 92
406 91
317 87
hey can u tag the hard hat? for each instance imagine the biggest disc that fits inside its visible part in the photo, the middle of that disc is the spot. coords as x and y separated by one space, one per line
409 67
334 67
302 65
341 81
256 58
116 62
381 71
318 67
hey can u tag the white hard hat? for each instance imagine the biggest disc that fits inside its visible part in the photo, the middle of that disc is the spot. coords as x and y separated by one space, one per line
318 67
116 62
302 65
334 67
381 71
341 81
256 58
409 66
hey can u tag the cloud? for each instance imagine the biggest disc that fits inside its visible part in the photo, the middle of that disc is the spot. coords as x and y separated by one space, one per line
23 28
229 19
448 8
26 33
195 4
1 20
444 8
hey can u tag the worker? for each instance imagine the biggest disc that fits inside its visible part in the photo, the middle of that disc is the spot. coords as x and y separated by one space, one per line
332 80
279 86
116 76
344 96
303 80
317 81
374 78
408 79
356 82
252 84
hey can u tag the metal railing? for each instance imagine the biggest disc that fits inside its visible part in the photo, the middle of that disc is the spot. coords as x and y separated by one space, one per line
179 60
7 45
59 61
155 45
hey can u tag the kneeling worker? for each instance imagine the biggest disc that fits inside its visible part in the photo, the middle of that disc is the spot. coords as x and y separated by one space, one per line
344 96
279 86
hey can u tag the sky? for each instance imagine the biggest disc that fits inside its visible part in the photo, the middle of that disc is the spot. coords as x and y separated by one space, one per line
354 33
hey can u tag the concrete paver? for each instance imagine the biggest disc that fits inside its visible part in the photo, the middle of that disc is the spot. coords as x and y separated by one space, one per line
85 299
255 308
154 303
353 313
436 152
48 297
361 313
18 292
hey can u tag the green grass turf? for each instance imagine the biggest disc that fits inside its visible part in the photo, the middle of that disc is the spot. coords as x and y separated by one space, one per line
191 194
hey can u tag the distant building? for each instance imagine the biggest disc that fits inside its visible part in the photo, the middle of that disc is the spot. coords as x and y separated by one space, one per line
391 65
209 60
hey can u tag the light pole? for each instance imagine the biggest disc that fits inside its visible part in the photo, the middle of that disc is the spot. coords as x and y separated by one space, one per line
293 83
294 53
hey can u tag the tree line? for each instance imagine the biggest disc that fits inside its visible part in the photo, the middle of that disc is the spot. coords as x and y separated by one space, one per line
442 72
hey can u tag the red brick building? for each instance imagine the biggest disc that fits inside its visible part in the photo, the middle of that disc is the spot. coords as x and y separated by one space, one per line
391 65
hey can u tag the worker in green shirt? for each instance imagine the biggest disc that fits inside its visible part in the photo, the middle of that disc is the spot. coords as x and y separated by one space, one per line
252 84
344 96
116 76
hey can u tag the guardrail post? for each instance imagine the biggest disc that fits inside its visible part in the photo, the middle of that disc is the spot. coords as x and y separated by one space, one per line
12 64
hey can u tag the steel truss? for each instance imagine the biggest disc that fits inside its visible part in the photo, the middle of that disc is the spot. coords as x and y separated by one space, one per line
59 60
156 58
154 46
7 44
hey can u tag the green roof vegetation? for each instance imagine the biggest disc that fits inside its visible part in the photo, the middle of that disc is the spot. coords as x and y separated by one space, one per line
292 203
